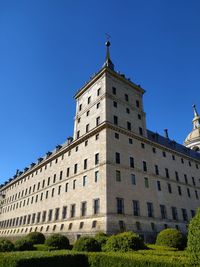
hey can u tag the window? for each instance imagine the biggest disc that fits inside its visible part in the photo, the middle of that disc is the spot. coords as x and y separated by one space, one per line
87 128
118 176
174 213
98 105
117 158
97 121
115 104
59 189
81 225
96 206
52 192
68 171
137 103
138 226
163 212
61 174
128 125
98 91
146 182
154 149
196 194
188 192
96 158
164 154
136 208
173 157
169 188
66 187
57 210
150 209
179 190
192 213
84 180
122 226
131 162
64 212
116 135
139 117
96 176
86 142
88 113
185 177
75 168
115 120
130 140
80 107
142 145
50 215
78 134
159 185
83 208
85 164
144 166
94 224
114 90
74 184
156 170
177 176
70 226
47 194
140 131
79 119
89 99
126 97
54 178
166 172
182 160
193 181
184 214
120 205
44 214
133 180
127 110
73 210
97 137
76 148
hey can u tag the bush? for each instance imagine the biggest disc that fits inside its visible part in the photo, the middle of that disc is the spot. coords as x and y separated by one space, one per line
171 238
88 244
6 245
23 244
36 238
101 238
57 241
124 242
193 244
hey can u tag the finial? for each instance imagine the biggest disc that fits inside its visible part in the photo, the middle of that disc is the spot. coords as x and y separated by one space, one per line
195 110
108 63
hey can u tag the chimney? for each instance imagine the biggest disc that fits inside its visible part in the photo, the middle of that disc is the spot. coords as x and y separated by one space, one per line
166 133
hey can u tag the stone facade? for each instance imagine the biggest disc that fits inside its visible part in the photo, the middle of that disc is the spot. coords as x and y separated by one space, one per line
114 175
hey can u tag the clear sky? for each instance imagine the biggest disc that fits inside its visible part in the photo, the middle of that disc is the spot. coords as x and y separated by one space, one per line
50 48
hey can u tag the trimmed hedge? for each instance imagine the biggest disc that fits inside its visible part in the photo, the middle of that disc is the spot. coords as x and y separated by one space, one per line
68 258
127 241
193 244
24 244
171 238
6 245
88 244
36 238
101 238
57 241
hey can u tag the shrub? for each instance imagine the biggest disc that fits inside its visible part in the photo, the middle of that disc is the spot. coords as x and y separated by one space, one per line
36 238
88 244
171 238
57 241
101 238
193 244
23 244
6 245
123 242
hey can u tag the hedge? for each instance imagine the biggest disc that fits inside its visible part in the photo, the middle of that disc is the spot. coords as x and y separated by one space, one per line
36 238
57 241
92 259
88 244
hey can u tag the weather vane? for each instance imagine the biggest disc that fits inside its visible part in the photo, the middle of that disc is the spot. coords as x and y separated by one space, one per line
108 36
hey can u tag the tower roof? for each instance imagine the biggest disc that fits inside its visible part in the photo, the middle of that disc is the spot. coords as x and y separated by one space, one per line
108 63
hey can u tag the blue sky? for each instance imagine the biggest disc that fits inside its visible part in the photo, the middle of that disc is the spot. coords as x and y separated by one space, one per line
50 48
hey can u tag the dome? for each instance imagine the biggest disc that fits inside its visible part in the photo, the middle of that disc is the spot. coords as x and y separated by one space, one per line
193 139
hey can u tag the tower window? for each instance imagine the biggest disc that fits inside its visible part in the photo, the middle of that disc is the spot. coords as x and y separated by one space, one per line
98 105
114 90
97 121
117 158
96 158
115 104
128 125
115 120
137 103
89 99
127 110
98 91
80 107
126 97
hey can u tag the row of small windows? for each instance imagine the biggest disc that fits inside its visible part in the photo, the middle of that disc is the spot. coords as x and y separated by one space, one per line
126 97
51 215
156 169
129 125
47 228
159 187
42 185
150 210
89 99
87 127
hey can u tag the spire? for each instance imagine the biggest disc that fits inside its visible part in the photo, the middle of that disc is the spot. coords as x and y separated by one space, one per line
195 111
196 120
108 63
